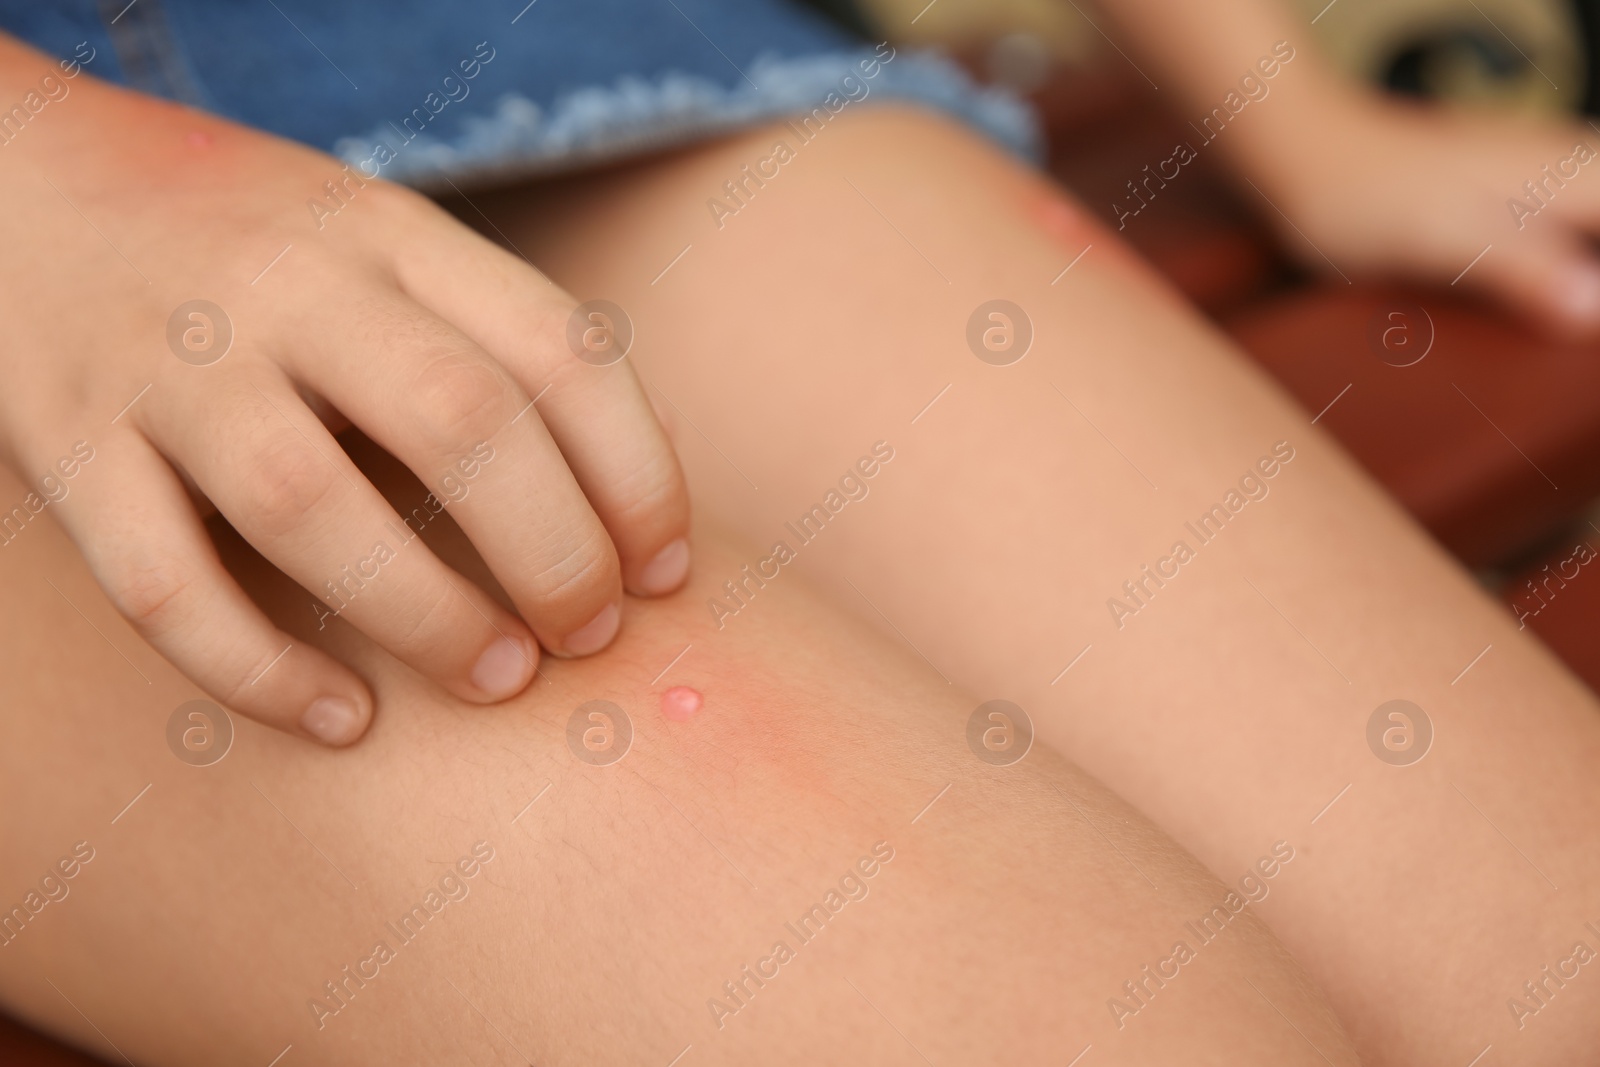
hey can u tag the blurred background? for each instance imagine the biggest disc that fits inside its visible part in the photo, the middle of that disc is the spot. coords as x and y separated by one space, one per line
1508 480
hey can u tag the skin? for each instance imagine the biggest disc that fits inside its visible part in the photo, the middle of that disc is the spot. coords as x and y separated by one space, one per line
619 898
1233 707
570 502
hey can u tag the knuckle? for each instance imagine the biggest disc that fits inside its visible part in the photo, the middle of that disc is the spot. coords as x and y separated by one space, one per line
583 569
653 493
548 314
285 484
422 624
151 595
462 397
247 687
547 350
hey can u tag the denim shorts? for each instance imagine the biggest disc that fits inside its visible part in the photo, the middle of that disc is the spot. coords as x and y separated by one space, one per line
481 91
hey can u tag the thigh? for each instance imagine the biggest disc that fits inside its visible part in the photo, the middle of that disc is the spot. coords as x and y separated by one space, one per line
1128 532
816 866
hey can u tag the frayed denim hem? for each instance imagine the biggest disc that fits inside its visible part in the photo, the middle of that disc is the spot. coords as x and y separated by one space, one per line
635 116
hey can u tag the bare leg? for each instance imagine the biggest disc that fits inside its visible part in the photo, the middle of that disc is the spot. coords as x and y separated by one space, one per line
1229 700
586 914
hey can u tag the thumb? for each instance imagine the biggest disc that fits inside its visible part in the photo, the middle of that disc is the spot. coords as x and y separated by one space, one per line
1551 278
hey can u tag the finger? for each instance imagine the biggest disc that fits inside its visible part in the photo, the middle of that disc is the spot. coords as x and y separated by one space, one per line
595 409
468 430
1551 277
284 483
149 552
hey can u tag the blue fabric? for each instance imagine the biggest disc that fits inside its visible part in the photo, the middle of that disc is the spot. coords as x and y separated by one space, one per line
488 89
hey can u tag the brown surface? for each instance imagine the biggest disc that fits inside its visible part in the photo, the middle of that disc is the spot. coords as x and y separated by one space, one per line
1490 440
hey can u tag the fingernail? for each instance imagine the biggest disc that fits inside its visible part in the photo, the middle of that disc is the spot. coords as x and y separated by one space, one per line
504 668
332 720
1580 293
595 634
667 571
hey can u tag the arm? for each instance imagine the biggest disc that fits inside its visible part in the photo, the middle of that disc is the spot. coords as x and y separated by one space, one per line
1369 184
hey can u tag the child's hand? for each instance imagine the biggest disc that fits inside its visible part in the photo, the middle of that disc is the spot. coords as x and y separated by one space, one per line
1379 186
376 307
